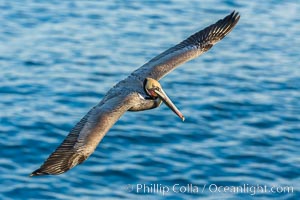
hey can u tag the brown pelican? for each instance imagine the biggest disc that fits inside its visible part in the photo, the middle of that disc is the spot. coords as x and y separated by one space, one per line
139 91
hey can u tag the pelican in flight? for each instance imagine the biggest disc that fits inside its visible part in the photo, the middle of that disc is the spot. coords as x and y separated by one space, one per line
139 91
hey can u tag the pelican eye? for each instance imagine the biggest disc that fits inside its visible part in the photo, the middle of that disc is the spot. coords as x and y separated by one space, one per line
155 88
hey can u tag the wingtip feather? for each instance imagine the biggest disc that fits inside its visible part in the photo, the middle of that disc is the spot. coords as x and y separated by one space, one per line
37 172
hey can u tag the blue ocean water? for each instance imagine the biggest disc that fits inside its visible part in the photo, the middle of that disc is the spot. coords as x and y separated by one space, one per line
241 100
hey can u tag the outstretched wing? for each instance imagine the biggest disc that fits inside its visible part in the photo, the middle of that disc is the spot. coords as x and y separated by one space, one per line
188 49
85 136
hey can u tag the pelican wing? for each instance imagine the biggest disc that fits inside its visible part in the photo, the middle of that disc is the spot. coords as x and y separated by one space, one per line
85 136
188 49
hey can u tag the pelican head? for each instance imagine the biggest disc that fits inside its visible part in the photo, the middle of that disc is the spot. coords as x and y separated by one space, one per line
154 90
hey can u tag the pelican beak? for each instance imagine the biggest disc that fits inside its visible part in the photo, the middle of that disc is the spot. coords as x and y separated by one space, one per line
163 96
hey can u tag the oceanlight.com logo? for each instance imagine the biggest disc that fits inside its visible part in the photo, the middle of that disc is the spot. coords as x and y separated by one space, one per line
157 188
